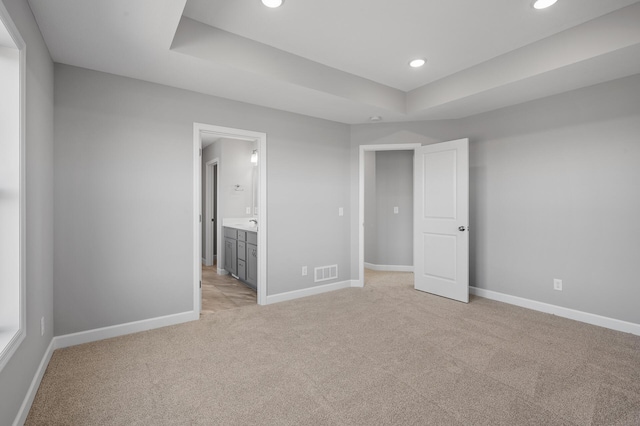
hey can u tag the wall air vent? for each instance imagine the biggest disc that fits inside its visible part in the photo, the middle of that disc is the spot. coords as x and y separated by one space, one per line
324 273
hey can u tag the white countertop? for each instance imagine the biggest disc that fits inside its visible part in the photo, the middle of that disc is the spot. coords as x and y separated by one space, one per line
242 223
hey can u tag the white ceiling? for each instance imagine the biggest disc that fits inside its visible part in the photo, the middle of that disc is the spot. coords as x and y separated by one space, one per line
347 60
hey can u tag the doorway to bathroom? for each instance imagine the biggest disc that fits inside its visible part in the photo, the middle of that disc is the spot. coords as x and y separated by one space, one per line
229 189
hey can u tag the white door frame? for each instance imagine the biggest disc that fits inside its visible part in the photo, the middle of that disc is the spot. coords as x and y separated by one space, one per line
208 199
363 149
231 133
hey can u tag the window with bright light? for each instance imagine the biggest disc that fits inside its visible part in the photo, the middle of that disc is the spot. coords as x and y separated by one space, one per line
12 306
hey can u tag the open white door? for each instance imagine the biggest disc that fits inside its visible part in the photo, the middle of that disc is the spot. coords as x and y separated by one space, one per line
441 219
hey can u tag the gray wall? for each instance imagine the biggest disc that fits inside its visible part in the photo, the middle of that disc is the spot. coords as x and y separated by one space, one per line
124 185
389 236
235 169
394 176
552 195
16 376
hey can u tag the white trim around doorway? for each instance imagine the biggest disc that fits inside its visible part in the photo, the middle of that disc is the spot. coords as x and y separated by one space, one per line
209 180
230 133
363 149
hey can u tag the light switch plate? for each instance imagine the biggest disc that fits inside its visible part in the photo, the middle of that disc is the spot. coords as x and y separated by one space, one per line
340 211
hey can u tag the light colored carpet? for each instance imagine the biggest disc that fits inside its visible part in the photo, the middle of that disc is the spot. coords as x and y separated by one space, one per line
385 354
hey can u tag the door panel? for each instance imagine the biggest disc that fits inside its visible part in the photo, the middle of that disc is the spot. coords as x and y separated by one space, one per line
441 216
440 185
440 256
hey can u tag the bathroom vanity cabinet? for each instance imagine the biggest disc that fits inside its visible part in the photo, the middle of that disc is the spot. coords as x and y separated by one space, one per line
241 255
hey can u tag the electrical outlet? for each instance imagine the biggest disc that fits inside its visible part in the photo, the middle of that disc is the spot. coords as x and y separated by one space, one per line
304 271
557 284
248 210
42 326
395 210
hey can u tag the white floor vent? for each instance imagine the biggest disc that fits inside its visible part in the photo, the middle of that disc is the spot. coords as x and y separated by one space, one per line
324 273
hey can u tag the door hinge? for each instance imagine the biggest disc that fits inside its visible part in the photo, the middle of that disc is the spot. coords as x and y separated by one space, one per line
200 284
200 218
200 152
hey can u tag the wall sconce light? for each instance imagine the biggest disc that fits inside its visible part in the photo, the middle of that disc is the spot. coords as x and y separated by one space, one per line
254 157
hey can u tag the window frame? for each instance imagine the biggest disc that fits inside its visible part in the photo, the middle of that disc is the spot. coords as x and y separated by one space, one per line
13 342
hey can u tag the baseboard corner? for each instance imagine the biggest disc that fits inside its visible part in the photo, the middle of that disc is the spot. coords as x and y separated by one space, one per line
357 283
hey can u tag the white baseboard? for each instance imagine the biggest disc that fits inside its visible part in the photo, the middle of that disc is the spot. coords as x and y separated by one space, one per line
311 291
388 268
357 283
593 319
33 388
73 339
122 329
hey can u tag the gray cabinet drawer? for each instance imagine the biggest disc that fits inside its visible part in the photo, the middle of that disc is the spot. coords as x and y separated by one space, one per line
241 255
252 238
242 251
231 233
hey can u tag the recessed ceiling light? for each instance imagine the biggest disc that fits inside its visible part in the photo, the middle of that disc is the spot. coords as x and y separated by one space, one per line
375 118
543 4
417 63
272 3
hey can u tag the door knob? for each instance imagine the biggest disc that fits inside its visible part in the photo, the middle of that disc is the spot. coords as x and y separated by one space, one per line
461 228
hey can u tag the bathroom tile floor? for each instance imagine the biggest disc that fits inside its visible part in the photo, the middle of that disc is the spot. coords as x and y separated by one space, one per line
221 292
